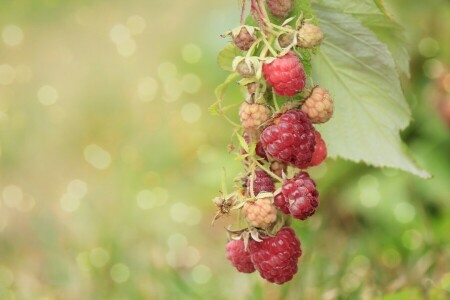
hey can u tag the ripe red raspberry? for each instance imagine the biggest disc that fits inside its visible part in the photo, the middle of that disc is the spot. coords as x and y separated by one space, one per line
285 74
239 258
253 115
262 183
301 194
243 38
260 213
309 36
320 152
280 8
281 203
318 106
291 139
276 258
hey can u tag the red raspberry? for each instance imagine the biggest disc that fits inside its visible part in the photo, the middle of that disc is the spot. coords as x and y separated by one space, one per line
319 106
260 213
285 74
280 8
239 258
301 194
259 150
252 115
320 152
243 39
291 139
276 258
262 183
281 203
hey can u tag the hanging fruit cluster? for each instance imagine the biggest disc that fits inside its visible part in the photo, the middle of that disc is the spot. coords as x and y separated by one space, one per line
277 138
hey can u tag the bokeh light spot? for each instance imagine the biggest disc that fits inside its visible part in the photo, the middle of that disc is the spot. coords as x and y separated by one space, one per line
191 53
47 95
77 188
12 195
97 157
127 48
428 47
433 68
404 212
119 34
146 199
177 241
369 191
12 35
147 89
69 202
136 24
7 74
173 89
191 112
99 257
201 274
179 212
120 273
191 83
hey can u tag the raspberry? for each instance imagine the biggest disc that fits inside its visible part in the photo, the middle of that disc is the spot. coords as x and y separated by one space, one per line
278 168
320 152
309 36
253 115
301 194
286 39
285 74
280 8
291 140
260 213
259 150
281 203
245 70
239 258
262 183
243 39
318 106
276 258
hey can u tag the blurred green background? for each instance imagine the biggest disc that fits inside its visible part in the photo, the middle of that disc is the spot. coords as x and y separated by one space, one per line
109 160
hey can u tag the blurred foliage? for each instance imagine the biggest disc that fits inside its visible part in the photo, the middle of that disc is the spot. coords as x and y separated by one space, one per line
109 160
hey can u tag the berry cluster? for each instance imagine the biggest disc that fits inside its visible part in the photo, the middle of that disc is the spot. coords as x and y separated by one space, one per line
278 140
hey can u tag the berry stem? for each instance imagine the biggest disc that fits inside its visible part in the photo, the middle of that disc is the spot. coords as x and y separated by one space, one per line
278 178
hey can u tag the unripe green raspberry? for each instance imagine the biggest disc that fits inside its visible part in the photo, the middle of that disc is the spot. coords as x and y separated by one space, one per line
309 36
253 115
318 106
260 213
245 69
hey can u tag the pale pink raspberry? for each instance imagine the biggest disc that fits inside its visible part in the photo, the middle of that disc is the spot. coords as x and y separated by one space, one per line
253 115
318 106
260 213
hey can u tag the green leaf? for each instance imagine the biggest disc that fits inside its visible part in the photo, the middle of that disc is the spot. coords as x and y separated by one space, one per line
373 15
226 56
370 109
